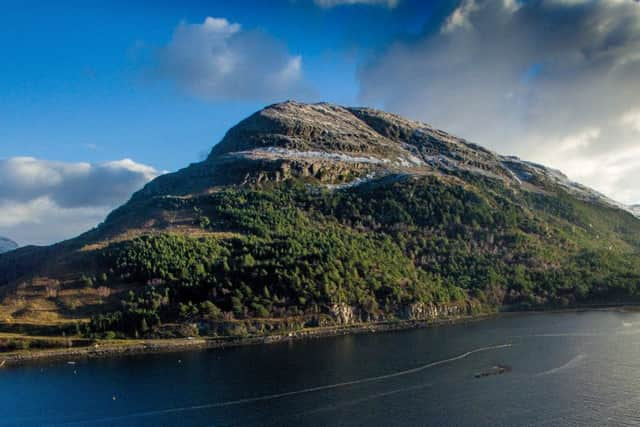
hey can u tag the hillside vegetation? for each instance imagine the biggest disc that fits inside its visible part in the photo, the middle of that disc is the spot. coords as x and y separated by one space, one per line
357 216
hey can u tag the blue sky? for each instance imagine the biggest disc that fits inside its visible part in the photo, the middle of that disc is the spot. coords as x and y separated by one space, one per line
75 81
99 97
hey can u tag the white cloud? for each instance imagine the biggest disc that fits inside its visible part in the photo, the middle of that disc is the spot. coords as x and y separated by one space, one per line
44 201
333 3
579 140
41 221
632 119
219 60
460 17
554 81
610 172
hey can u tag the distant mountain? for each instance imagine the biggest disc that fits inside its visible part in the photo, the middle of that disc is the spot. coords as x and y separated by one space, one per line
316 214
7 245
635 209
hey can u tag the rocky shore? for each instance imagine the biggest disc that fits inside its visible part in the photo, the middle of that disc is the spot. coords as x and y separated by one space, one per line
117 348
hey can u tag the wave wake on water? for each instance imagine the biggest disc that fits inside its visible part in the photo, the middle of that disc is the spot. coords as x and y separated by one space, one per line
570 364
289 393
623 331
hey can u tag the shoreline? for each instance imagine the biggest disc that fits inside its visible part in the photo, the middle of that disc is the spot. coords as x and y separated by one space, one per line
119 348
123 348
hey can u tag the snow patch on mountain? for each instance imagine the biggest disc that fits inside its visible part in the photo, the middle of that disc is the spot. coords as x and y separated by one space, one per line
409 161
280 152
527 171
358 181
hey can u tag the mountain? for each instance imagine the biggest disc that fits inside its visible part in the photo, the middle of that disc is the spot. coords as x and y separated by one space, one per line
7 245
315 214
635 209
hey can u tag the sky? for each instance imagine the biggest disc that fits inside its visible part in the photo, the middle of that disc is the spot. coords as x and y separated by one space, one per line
97 98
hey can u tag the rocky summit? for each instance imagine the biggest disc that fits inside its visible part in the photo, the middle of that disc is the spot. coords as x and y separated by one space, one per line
309 215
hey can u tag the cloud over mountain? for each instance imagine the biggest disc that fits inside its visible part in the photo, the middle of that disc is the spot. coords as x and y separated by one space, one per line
333 3
552 80
219 60
44 201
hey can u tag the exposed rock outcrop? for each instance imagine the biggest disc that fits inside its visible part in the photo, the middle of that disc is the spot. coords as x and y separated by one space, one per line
430 311
343 314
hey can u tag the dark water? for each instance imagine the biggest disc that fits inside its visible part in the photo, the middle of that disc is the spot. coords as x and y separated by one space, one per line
567 369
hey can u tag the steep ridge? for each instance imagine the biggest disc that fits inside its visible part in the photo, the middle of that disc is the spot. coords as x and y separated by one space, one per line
312 214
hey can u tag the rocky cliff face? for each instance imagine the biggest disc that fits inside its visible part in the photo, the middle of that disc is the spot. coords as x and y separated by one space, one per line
422 311
344 314
7 245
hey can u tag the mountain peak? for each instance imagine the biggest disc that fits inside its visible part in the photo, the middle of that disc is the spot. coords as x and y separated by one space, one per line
336 146
303 127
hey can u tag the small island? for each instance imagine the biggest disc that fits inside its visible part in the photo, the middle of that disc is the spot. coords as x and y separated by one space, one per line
492 371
